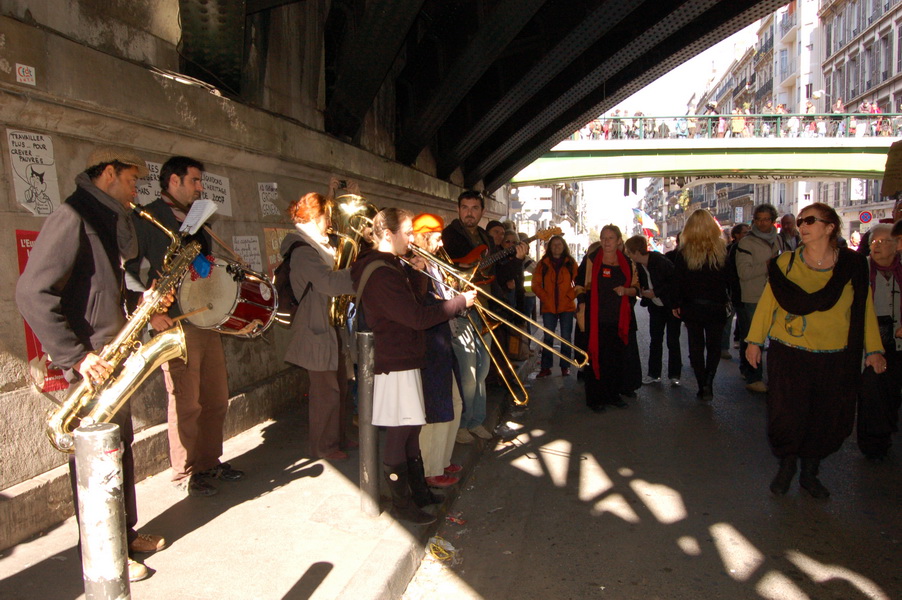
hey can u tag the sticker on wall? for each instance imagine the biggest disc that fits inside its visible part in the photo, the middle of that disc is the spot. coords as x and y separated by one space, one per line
216 188
26 75
269 198
248 248
34 171
149 187
273 237
46 377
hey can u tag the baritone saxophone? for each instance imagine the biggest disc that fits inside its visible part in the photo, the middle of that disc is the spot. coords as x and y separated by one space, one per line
131 360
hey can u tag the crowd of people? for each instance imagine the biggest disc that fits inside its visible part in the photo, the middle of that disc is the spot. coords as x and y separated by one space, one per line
865 120
821 308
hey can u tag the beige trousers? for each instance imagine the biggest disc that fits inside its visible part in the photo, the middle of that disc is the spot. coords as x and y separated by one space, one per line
437 439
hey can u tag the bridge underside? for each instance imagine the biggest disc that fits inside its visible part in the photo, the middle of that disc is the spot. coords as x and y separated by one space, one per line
712 160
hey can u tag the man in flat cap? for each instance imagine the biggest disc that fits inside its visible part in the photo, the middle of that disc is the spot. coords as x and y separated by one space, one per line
71 295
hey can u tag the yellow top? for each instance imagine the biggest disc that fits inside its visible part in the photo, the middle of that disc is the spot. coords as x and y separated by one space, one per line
819 331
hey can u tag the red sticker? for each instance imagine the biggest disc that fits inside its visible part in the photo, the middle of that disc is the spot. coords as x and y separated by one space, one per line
605 272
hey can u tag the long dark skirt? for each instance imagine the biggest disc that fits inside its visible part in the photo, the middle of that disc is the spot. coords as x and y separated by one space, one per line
810 400
606 388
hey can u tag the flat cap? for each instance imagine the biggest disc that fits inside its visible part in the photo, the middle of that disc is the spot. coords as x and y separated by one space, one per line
105 155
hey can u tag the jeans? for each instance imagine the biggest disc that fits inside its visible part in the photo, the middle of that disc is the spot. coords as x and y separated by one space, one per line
473 360
550 321
661 319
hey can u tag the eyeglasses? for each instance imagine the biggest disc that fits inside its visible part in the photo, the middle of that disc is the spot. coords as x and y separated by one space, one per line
881 242
809 220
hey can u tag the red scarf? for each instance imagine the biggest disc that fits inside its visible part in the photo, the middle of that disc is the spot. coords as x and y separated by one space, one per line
623 319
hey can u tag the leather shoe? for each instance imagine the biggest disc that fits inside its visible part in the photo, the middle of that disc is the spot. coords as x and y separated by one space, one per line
480 431
543 373
452 469
223 472
337 455
146 543
441 481
196 485
137 571
464 437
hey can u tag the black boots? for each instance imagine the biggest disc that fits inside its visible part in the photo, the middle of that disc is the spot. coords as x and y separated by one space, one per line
403 506
705 387
780 484
419 489
809 481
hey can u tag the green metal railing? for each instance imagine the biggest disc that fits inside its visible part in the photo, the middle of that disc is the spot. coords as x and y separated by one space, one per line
748 125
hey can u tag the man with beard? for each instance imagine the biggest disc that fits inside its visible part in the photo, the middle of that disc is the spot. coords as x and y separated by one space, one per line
71 296
460 238
198 389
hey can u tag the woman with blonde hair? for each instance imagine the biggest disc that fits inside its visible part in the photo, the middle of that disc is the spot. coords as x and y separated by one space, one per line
701 297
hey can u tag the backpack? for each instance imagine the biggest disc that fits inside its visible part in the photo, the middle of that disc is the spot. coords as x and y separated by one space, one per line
288 303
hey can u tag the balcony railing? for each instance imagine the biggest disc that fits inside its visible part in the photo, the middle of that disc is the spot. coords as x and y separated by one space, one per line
787 22
747 125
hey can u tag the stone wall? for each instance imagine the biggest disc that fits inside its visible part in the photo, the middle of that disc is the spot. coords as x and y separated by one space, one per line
89 88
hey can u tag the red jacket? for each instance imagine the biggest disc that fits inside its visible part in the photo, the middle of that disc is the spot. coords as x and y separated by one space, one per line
555 287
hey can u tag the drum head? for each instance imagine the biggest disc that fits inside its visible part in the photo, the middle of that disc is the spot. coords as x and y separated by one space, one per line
218 293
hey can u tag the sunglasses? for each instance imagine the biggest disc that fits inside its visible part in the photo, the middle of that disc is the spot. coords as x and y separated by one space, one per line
809 220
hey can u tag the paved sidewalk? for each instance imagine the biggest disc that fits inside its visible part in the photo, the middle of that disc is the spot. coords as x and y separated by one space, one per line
292 529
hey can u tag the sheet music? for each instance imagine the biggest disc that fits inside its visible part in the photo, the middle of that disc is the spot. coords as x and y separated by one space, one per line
200 211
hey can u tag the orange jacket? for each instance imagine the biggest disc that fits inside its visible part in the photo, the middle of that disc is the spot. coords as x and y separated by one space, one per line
555 288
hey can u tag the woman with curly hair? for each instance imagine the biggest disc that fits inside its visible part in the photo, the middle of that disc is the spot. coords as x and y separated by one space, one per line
701 297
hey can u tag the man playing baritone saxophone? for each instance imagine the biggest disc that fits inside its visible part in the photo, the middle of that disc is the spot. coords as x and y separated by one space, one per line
459 238
198 388
71 296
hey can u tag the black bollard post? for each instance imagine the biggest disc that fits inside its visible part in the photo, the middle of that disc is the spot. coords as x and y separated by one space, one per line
101 511
368 434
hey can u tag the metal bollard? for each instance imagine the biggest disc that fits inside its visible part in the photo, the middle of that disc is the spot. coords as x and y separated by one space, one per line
101 512
368 434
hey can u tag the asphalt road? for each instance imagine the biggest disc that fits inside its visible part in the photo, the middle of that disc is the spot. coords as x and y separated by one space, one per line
666 499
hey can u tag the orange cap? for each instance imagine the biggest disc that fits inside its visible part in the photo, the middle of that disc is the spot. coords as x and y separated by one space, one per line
428 223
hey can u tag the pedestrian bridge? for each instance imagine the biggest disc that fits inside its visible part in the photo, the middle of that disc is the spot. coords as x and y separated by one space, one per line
703 160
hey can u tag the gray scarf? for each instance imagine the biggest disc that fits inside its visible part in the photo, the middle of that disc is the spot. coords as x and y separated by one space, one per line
770 238
126 237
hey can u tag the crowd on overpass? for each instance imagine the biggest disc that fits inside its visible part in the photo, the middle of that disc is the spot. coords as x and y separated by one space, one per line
772 122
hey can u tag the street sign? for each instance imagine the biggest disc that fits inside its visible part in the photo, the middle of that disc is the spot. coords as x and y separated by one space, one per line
865 216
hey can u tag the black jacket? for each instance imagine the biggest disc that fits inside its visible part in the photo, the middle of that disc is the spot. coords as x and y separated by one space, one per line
661 271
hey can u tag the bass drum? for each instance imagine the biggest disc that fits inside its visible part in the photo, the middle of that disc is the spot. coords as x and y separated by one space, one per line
233 300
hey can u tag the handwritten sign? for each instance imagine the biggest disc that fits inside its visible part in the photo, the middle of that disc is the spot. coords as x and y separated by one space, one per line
216 188
273 237
269 198
248 248
149 187
48 378
34 171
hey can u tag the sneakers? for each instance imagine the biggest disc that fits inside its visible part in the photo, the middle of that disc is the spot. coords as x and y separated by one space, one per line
146 543
223 472
757 386
543 373
648 379
480 431
674 382
137 571
452 469
441 481
196 485
464 437
565 371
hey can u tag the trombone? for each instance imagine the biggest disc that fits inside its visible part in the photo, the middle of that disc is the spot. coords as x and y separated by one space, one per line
523 398
462 277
